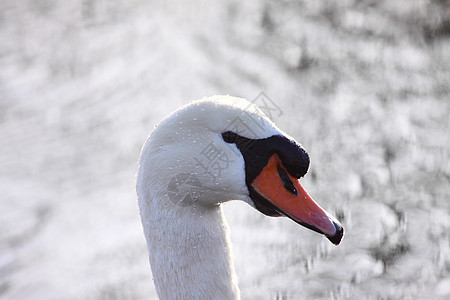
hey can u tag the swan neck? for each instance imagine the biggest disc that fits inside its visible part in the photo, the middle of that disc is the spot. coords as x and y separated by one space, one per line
189 250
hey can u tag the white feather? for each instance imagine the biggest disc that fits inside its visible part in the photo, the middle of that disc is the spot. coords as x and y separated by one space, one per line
189 246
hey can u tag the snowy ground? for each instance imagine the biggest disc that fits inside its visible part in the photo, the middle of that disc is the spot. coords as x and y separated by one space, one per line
363 85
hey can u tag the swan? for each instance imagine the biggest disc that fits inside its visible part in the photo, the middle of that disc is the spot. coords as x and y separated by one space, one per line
206 153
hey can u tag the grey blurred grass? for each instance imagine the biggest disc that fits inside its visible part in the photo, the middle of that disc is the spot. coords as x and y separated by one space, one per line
363 85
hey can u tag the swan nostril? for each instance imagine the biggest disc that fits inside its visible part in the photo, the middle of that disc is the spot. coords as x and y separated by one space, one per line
288 185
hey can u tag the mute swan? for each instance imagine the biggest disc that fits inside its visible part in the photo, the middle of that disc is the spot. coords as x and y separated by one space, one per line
206 153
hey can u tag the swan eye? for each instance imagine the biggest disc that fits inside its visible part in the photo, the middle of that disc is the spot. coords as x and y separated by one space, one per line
288 185
229 136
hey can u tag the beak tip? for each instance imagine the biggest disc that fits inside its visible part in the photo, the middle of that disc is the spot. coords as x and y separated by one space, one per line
338 236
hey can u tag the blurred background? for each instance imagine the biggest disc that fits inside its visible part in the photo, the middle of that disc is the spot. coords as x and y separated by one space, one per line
363 85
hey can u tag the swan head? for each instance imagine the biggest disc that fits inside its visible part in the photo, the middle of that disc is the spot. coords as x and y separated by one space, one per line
224 148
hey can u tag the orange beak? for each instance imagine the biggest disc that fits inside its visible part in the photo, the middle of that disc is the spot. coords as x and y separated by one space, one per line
285 192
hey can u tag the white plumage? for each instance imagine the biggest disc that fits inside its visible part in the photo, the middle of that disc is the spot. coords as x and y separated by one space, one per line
189 243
